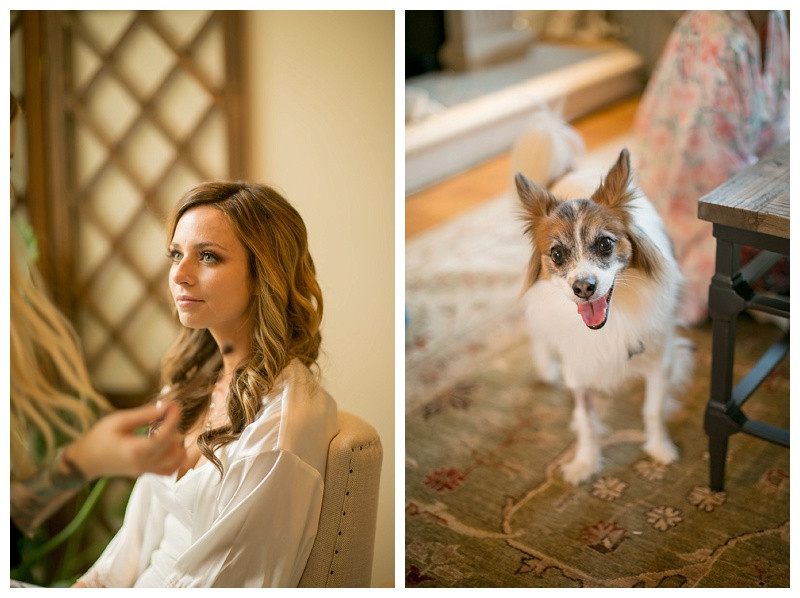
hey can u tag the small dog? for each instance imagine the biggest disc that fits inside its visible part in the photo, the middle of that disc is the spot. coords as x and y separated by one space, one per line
603 292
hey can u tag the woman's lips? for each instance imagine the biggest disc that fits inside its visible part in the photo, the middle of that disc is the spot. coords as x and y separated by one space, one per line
186 301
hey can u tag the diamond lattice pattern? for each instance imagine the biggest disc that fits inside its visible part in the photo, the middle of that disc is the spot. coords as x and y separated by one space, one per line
147 113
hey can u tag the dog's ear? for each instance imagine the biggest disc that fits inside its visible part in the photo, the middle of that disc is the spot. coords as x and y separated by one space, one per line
537 203
533 271
536 200
646 256
614 190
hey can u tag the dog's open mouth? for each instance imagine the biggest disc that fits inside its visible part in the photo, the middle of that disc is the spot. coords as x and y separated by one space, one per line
595 313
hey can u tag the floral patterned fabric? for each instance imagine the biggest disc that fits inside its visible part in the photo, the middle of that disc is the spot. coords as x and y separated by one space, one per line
712 107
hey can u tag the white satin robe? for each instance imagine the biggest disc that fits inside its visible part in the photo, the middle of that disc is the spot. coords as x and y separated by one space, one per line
255 527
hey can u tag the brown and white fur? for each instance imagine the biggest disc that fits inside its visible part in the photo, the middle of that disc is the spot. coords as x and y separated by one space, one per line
602 299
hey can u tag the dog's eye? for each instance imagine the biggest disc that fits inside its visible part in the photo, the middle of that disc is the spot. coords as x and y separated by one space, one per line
605 246
557 255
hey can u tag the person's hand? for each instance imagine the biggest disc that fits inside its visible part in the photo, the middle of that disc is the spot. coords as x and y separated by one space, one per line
112 448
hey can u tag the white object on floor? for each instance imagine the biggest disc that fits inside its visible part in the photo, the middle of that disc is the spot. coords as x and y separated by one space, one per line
547 149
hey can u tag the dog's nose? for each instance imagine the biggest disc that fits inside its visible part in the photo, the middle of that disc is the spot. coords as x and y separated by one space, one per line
584 287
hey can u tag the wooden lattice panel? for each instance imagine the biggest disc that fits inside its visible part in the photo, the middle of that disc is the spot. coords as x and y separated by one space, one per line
146 106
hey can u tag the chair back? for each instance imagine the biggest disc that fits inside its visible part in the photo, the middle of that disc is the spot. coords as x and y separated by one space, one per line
341 556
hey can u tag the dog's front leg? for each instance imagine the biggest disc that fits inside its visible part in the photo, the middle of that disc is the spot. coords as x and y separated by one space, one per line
657 441
587 449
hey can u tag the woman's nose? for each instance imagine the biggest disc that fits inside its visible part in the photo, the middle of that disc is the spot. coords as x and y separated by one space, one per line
181 273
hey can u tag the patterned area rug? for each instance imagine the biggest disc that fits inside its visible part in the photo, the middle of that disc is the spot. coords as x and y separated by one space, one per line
461 282
486 505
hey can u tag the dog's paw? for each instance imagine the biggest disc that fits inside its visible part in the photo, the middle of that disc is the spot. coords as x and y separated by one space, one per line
579 470
663 451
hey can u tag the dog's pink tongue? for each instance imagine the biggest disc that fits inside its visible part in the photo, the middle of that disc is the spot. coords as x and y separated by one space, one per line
593 312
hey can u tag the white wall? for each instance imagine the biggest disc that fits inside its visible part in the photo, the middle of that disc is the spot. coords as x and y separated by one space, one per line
320 89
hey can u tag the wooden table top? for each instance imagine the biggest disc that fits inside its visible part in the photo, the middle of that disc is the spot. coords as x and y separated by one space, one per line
756 199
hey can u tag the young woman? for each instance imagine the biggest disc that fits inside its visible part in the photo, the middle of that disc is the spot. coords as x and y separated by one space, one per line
242 509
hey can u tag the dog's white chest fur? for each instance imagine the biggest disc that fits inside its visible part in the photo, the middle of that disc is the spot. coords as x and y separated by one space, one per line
600 359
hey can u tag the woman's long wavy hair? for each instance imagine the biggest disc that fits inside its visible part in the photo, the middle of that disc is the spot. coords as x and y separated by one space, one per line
286 310
52 399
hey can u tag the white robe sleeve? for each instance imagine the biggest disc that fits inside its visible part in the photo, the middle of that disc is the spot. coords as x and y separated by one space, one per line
119 565
265 520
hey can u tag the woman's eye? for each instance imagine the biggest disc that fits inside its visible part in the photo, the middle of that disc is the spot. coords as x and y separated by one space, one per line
175 256
208 258
557 255
606 245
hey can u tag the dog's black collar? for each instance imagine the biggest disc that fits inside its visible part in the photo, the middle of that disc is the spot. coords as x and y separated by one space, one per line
637 350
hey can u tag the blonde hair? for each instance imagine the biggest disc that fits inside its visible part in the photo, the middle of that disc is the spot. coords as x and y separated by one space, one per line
52 398
286 309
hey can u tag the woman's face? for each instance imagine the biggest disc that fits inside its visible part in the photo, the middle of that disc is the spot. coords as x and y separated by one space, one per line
210 277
